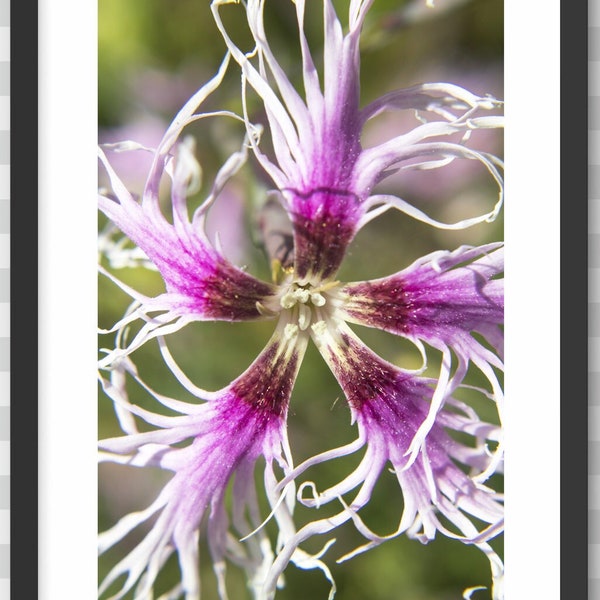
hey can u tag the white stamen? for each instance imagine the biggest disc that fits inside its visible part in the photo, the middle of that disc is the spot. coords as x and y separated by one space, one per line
290 330
319 328
288 300
306 297
302 295
304 315
317 299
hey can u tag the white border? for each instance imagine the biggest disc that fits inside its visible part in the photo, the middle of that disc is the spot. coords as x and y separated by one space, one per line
67 118
532 150
67 299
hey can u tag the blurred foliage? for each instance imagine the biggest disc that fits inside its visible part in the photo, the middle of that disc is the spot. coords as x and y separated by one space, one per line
152 55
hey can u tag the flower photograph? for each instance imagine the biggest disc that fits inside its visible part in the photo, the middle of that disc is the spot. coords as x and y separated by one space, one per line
300 299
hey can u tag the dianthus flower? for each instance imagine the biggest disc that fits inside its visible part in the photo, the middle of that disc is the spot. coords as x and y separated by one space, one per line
324 185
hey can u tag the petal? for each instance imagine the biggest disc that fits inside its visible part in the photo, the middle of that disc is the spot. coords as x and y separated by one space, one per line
448 300
441 299
389 406
437 154
380 393
341 142
316 140
242 423
200 282
443 110
443 99
275 107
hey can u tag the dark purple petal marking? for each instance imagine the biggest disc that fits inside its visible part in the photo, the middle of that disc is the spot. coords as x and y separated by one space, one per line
399 306
204 282
267 384
366 378
325 221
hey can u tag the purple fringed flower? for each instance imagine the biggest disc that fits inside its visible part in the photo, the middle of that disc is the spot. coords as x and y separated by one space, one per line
325 192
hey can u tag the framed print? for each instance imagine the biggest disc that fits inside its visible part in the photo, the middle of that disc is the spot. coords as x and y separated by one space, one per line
301 299
271 344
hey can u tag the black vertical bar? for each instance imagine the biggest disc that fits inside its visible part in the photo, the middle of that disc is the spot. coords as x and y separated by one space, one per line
24 299
573 299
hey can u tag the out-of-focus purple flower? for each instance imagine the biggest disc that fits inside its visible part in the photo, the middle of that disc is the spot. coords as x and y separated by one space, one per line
325 192
225 225
162 91
147 131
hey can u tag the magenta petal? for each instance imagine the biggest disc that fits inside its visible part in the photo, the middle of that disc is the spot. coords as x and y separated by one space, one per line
430 301
200 282
442 299
228 435
389 406
235 434
434 478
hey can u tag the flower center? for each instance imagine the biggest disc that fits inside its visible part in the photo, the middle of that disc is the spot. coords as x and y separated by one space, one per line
305 302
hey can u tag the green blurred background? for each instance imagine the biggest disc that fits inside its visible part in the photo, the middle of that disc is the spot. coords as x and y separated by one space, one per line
153 54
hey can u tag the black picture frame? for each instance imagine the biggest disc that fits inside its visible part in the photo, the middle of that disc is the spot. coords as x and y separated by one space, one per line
573 468
25 301
24 248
